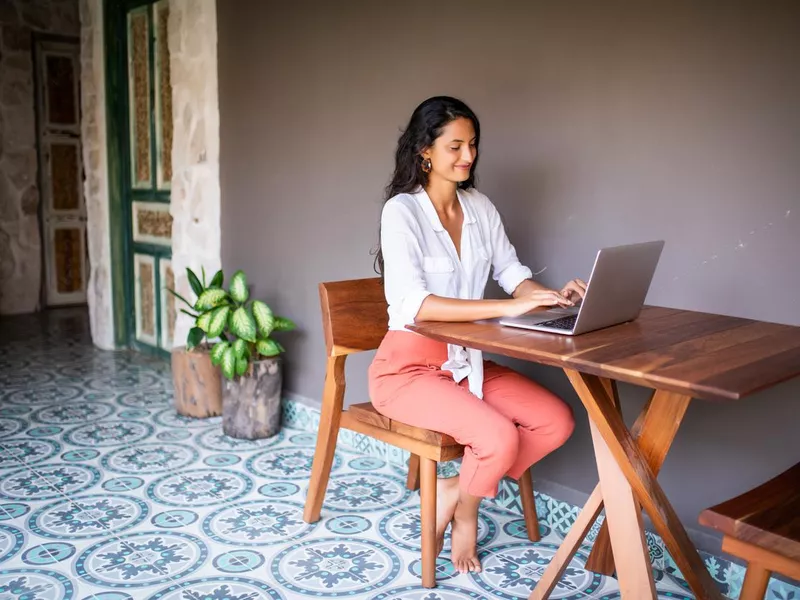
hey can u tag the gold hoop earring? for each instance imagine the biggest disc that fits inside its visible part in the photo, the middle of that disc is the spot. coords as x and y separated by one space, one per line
426 165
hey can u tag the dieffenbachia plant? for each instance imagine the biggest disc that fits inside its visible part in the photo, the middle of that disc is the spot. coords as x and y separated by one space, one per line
196 334
242 326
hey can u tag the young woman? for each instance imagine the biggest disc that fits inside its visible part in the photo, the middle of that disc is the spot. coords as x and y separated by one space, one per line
439 237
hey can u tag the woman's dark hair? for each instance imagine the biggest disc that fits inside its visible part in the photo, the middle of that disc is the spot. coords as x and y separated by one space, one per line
426 124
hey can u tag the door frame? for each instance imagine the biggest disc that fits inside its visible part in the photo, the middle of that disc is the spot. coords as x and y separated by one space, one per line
118 138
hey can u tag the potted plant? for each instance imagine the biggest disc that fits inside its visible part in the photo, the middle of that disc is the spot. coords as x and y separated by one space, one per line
197 382
247 355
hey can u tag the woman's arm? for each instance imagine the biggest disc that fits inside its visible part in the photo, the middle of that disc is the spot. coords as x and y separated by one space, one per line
528 286
437 308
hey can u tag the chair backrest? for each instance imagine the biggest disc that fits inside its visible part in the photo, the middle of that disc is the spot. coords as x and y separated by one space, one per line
354 315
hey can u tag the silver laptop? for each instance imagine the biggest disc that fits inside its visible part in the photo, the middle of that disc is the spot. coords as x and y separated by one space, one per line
615 293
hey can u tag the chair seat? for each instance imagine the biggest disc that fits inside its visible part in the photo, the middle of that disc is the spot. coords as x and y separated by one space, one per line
366 413
767 516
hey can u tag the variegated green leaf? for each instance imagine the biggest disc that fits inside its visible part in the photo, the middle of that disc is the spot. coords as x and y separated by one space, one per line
228 363
280 347
238 287
218 351
219 317
204 321
284 324
211 298
240 348
194 338
243 325
241 365
268 347
264 318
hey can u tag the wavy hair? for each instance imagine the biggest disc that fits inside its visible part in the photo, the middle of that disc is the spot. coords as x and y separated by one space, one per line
426 124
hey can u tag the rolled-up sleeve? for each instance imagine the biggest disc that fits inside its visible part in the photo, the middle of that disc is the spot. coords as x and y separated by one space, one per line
508 271
404 278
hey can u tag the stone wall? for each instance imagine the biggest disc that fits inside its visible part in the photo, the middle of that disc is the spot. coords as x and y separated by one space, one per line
195 203
95 160
20 244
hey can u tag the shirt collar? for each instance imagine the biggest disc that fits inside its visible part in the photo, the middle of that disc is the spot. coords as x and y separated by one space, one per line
430 211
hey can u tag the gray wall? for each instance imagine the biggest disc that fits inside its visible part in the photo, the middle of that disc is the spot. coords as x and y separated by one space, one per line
604 123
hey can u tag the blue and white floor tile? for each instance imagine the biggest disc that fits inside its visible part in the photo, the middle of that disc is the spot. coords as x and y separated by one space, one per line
107 494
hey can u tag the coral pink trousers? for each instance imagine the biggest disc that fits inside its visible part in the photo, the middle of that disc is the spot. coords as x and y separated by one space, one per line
515 424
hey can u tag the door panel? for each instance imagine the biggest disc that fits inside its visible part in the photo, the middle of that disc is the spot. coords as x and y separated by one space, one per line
163 97
146 309
63 177
140 157
61 97
66 244
151 223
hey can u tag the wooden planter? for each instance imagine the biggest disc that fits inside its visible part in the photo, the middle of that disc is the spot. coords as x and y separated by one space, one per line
198 384
252 403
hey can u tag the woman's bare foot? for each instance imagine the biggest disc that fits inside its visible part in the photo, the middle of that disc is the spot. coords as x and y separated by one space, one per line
464 535
446 500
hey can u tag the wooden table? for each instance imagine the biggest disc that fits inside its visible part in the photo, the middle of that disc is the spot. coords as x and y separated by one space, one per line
679 355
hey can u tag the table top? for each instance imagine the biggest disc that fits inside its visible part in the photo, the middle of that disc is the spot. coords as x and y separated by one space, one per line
703 355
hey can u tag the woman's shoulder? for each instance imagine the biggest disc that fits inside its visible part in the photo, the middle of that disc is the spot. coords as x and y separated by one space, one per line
407 199
400 208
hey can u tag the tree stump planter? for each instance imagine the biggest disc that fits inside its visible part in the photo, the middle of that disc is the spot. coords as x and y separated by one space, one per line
252 403
198 384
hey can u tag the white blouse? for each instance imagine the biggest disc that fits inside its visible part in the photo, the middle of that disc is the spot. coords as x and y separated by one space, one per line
420 259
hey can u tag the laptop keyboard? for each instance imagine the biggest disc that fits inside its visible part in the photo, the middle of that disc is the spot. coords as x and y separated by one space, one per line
567 323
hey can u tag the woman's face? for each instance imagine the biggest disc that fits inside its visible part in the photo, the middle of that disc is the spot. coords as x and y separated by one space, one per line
453 152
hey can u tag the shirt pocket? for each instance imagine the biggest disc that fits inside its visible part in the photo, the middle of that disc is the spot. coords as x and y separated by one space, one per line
439 274
438 264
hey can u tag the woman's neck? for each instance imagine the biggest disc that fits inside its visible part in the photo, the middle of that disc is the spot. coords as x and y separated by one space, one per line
443 195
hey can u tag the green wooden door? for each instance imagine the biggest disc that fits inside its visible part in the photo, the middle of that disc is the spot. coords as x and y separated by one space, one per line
140 100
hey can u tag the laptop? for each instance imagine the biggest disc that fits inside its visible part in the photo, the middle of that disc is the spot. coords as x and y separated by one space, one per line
615 293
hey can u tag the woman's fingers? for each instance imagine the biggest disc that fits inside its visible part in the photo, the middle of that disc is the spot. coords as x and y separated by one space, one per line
551 298
539 298
576 286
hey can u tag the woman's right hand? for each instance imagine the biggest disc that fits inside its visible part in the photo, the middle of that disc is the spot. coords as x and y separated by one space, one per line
539 298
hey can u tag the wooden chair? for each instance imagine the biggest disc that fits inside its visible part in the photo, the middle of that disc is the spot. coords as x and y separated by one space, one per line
762 527
355 319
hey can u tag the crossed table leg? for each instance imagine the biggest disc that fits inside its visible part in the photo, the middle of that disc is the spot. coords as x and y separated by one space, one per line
627 466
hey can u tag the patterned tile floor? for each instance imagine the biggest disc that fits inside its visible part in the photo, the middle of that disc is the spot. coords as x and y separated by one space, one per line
106 493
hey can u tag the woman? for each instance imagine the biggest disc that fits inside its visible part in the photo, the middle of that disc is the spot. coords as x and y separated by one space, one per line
439 237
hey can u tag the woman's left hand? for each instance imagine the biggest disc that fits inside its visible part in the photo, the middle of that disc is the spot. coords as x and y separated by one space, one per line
574 290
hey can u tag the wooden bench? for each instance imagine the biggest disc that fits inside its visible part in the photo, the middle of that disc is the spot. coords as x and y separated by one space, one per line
762 527
355 319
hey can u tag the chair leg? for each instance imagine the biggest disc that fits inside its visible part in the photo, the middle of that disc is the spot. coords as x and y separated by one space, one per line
412 481
428 520
756 580
529 506
330 416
